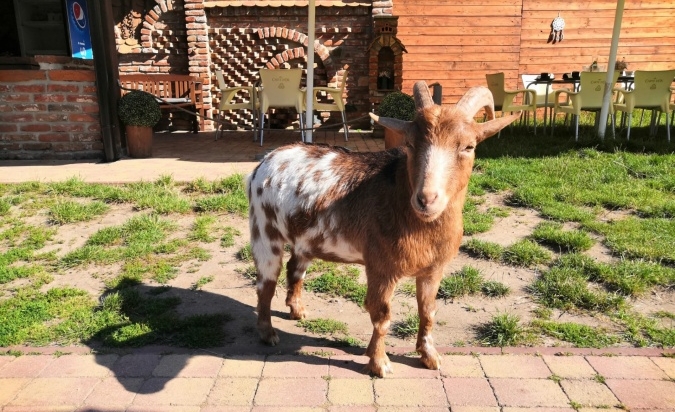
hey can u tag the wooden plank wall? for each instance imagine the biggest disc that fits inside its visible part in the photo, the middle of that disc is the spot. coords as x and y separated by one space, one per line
456 43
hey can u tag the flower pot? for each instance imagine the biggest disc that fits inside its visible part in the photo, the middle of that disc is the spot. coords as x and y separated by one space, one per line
139 141
392 139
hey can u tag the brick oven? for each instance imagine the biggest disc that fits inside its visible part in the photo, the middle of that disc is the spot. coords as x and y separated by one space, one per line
385 59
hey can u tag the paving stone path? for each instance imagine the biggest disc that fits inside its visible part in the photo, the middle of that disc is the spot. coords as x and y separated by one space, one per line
325 379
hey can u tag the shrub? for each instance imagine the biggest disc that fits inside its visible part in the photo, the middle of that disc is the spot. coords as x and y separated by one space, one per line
397 105
138 108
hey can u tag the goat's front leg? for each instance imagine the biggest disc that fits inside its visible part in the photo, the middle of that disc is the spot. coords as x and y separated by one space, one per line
295 269
427 288
378 297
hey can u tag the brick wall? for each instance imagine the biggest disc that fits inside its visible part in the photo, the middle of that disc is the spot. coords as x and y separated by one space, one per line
50 113
197 37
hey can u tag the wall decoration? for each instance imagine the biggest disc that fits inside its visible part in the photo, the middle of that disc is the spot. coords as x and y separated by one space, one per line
557 26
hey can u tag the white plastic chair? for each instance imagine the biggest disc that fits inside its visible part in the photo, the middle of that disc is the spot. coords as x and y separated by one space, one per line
504 99
651 91
280 88
540 88
337 104
588 98
231 99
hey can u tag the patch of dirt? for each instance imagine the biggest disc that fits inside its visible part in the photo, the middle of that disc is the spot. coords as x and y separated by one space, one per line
232 293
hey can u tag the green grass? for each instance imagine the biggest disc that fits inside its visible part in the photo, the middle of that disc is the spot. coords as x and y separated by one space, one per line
476 221
244 254
201 282
553 235
202 229
564 287
336 280
60 315
502 330
161 197
69 211
407 288
348 341
227 239
620 192
324 326
526 253
494 289
466 281
226 195
626 277
581 336
407 327
644 331
483 250
139 236
154 321
639 238
249 272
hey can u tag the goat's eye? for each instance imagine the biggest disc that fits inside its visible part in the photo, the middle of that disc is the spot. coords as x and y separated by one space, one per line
468 148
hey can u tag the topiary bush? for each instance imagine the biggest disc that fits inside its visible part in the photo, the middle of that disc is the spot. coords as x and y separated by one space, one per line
397 105
138 108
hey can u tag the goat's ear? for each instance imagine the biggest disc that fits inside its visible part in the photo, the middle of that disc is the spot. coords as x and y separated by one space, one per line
492 127
396 125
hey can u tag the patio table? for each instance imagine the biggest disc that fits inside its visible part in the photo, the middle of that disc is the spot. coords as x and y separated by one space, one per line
626 80
548 83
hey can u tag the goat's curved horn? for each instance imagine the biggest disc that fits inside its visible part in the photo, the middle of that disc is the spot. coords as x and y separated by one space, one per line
391 123
422 95
476 98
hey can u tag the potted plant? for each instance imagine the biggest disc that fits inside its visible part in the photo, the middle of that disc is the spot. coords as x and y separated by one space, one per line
139 111
397 105
621 66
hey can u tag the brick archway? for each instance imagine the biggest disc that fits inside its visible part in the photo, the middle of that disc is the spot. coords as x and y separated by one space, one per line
138 33
297 52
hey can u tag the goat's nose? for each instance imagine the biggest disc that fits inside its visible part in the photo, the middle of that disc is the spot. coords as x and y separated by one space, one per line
426 199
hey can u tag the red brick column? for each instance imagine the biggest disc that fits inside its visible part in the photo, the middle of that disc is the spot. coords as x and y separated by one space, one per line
198 52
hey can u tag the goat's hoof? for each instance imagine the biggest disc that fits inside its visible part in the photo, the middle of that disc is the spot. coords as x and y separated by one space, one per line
269 336
298 312
431 361
380 367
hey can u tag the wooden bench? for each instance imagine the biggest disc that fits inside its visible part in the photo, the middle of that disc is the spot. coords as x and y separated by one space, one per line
180 90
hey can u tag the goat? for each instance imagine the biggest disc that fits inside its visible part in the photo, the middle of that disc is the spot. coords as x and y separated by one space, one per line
398 212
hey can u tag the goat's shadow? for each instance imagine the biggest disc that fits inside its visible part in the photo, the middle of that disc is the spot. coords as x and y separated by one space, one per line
140 355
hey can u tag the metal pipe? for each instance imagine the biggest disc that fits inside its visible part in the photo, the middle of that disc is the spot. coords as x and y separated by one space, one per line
609 85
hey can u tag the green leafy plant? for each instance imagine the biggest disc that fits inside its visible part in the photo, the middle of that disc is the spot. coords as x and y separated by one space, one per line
397 105
138 108
466 281
323 326
503 330
407 327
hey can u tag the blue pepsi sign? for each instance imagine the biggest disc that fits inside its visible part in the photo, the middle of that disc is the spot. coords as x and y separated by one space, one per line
78 29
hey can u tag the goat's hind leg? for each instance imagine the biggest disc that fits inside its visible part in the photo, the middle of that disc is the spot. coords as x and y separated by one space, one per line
295 270
427 288
269 268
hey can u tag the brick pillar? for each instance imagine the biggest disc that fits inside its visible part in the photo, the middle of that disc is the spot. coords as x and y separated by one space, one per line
198 52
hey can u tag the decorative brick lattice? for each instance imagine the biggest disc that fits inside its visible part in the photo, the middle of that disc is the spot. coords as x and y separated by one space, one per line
242 52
